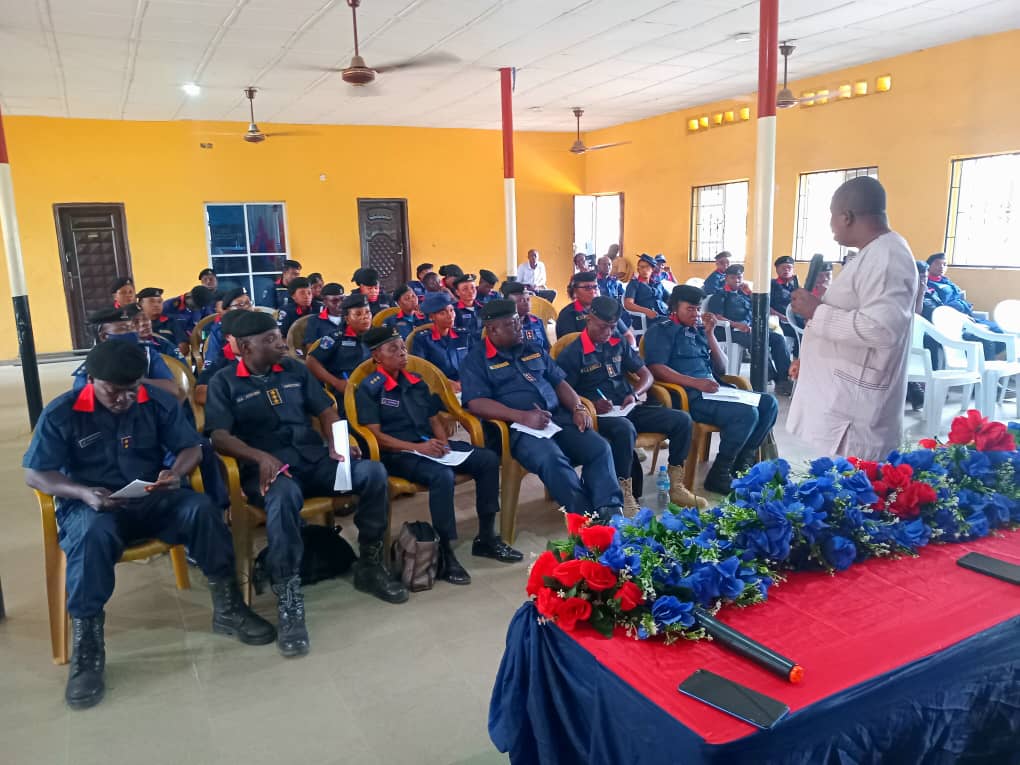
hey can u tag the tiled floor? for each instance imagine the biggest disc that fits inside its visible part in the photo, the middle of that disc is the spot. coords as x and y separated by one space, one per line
383 684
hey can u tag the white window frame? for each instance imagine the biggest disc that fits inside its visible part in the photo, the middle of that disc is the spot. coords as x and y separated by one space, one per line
952 243
695 253
249 275
833 252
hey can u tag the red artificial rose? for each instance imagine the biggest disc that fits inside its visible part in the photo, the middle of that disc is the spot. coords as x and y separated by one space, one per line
897 476
541 568
575 523
572 611
928 443
994 437
870 469
966 427
598 536
925 494
905 505
568 573
597 576
549 602
630 596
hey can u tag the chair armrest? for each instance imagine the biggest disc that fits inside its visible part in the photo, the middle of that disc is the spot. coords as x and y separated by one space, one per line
368 438
468 421
591 413
984 333
659 394
740 382
237 498
980 314
504 440
679 391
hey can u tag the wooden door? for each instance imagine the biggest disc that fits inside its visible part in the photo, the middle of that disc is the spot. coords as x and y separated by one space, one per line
94 253
385 245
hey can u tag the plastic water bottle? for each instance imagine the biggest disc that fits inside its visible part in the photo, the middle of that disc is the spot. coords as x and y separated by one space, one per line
662 489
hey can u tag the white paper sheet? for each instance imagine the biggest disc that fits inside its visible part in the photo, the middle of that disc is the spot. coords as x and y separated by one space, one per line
134 490
549 431
342 446
620 411
734 395
450 459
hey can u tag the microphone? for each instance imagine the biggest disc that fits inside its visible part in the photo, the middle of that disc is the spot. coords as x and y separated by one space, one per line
742 644
817 263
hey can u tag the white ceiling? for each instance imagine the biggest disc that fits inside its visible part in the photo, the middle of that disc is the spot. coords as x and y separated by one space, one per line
620 59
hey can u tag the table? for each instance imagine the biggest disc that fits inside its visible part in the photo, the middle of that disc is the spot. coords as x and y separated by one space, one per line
906 661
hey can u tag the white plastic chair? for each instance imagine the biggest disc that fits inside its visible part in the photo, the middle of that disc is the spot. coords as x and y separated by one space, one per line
733 350
1007 315
937 382
797 329
696 281
952 323
638 325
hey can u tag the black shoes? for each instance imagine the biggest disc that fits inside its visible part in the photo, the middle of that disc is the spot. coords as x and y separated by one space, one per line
915 395
231 615
719 476
85 686
450 569
292 635
784 387
495 548
371 576
604 514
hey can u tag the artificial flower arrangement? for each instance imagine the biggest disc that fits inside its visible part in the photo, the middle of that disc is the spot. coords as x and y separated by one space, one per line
647 574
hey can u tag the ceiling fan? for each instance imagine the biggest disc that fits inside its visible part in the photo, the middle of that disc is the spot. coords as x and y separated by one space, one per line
359 74
253 134
785 98
579 147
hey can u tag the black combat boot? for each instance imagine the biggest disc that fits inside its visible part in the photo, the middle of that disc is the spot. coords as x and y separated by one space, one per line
720 476
231 615
449 567
291 633
746 460
605 514
85 686
371 576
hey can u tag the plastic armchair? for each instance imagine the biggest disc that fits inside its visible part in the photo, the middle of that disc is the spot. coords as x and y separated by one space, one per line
638 324
198 339
383 315
414 333
296 338
1007 315
963 372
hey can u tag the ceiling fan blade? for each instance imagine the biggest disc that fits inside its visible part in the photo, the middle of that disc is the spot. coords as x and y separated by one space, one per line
606 145
289 133
437 58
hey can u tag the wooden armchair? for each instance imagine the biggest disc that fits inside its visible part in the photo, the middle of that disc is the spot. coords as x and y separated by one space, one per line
383 315
198 338
296 338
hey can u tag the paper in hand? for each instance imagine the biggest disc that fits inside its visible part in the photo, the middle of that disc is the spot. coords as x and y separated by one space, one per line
450 459
134 490
548 431
342 446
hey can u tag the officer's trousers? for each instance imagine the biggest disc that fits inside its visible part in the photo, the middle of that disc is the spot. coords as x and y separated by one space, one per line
482 465
779 354
621 433
93 541
553 460
742 427
285 497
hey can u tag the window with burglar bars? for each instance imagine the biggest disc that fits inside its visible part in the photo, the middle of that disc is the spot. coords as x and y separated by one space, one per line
983 223
719 221
814 195
247 244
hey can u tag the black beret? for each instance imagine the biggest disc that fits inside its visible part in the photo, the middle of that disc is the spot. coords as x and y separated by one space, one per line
231 295
922 267
251 323
291 264
463 278
645 257
783 260
498 309
938 255
112 314
399 291
377 336
485 275
149 292
297 283
366 276
206 272
122 281
723 254
584 276
354 300
423 267
332 289
202 296
512 288
451 269
228 319
315 278
736 268
686 293
117 362
606 308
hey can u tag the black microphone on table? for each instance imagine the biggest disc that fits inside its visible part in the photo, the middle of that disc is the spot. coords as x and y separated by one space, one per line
814 271
752 649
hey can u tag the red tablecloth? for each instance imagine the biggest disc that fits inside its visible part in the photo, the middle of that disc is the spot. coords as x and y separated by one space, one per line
843 629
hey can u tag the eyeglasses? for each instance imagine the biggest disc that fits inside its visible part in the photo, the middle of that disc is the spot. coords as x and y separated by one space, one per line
586 287
235 306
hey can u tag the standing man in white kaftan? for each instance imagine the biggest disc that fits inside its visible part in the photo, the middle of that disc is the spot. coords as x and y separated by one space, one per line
853 370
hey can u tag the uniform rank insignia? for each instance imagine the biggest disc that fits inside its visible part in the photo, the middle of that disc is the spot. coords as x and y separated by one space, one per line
326 343
532 357
500 365
274 396
125 442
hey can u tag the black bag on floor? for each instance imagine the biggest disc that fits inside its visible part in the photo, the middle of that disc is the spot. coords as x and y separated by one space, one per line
327 555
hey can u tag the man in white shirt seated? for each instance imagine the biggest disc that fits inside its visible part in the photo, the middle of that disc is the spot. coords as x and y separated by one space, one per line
532 275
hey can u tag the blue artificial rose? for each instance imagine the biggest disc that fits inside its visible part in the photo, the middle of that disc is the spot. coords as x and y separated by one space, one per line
978 465
946 522
730 584
912 535
812 522
894 458
843 465
620 555
998 509
839 552
858 483
978 522
821 466
580 551
672 521
811 494
1014 510
668 610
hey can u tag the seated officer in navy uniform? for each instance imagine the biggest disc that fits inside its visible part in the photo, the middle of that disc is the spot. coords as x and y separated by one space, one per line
216 348
87 445
467 322
532 327
583 288
227 354
597 364
682 351
315 284
443 347
122 293
418 283
641 295
339 353
367 280
608 284
487 282
327 320
258 412
168 332
207 278
299 304
191 307
402 412
449 273
408 317
783 286
506 379
275 295
941 291
146 337
734 305
716 280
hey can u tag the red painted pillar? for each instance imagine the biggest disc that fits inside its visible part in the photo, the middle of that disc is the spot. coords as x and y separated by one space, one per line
506 81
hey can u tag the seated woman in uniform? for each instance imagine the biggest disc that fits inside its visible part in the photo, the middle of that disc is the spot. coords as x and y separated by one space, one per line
487 281
467 322
299 304
367 280
338 354
408 316
532 327
402 412
87 445
328 319
217 352
443 347
641 296
583 289
167 335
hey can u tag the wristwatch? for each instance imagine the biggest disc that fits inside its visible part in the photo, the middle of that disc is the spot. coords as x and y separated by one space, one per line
580 407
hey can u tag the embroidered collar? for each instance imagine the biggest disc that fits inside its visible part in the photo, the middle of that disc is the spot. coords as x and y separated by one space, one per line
86 401
579 308
242 370
391 382
588 346
437 336
490 349
349 332
935 278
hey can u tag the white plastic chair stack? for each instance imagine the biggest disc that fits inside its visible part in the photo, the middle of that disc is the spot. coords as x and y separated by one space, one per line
963 358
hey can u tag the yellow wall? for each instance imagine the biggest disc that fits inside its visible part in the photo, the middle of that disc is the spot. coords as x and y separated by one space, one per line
452 179
946 102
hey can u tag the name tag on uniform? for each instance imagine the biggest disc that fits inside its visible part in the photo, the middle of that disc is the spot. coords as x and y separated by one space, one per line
274 396
532 357
292 385
611 370
348 343
529 377
389 401
500 365
89 439
246 396
590 368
